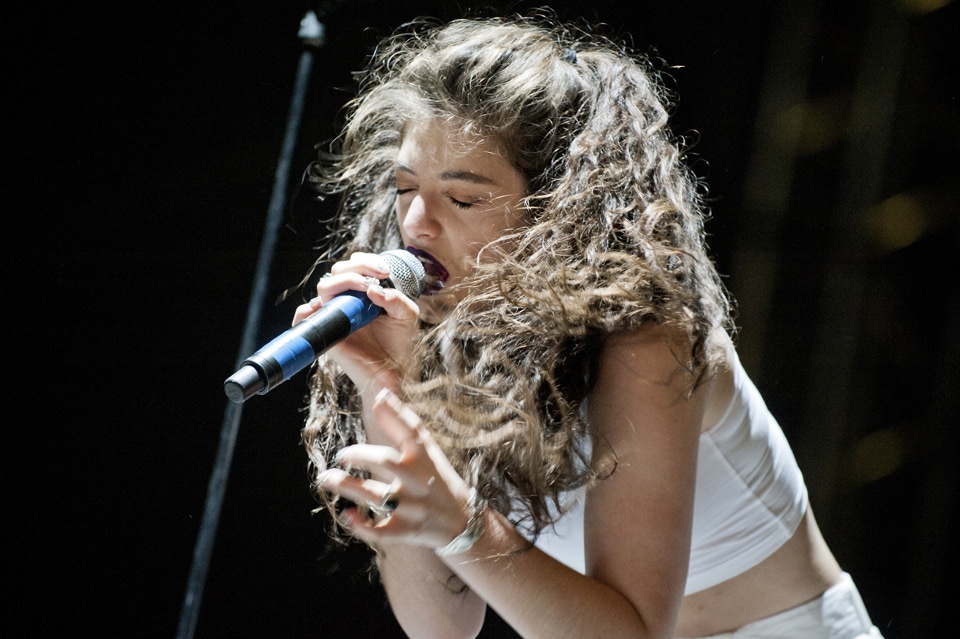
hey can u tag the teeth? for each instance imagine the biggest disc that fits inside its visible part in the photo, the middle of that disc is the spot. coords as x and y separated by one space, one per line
435 274
432 283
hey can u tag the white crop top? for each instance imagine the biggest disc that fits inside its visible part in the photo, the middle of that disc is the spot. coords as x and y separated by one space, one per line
750 496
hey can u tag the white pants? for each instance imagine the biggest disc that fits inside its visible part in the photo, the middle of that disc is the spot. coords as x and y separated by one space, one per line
837 614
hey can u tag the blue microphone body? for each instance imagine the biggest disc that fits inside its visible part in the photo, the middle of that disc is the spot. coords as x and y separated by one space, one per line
298 347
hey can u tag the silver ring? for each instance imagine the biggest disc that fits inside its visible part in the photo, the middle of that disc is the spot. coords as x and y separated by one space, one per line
386 507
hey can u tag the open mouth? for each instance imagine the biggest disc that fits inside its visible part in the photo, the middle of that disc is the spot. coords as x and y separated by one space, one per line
436 274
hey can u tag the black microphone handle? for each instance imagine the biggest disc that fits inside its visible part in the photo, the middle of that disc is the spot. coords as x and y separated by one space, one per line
299 346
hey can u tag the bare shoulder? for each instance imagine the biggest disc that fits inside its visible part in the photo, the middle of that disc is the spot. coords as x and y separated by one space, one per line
649 365
653 353
648 372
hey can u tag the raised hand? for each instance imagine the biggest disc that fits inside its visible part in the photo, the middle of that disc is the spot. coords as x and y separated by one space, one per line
414 496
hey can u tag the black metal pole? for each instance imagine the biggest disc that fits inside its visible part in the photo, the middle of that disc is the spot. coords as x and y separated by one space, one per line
311 33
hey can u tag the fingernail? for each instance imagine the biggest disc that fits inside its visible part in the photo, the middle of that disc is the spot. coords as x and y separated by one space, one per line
383 267
384 395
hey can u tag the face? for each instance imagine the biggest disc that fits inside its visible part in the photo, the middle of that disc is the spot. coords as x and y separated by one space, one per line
454 196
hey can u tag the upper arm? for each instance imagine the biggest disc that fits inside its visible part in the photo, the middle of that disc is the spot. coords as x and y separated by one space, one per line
638 520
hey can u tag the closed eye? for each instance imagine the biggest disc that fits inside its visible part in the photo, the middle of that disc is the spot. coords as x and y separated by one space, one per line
460 204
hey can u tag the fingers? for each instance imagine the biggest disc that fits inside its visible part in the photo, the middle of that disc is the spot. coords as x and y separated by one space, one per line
406 463
332 286
369 264
403 427
382 510
362 272
359 490
399 423
409 469
305 310
371 497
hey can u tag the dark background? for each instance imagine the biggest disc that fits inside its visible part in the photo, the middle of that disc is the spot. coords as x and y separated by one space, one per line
141 143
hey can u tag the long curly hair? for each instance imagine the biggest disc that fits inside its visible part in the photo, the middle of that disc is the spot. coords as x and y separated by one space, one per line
614 239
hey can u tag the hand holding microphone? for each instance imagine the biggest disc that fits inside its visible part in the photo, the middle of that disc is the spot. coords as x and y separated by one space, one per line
298 347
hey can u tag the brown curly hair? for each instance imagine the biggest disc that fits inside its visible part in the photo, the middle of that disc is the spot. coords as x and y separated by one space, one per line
615 238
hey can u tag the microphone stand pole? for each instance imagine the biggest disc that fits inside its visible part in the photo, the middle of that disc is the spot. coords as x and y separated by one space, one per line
311 34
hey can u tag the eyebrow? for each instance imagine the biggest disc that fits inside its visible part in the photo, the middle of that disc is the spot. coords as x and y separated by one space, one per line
465 176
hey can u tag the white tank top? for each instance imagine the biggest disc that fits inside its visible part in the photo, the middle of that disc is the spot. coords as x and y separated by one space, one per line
750 496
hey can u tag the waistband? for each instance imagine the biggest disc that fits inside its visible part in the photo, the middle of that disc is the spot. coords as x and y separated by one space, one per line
839 613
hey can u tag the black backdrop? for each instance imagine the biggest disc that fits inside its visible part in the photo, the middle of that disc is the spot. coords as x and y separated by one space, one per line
141 148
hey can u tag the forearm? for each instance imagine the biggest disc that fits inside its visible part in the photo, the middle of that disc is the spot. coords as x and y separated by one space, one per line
636 596
540 597
427 597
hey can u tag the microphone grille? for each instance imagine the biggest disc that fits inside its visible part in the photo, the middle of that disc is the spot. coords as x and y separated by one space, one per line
406 272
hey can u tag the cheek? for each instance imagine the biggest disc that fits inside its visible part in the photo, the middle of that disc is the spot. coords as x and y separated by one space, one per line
399 214
500 225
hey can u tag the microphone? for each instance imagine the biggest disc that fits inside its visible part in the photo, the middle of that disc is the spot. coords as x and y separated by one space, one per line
299 346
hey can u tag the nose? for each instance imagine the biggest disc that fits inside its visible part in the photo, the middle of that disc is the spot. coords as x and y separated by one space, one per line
418 219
